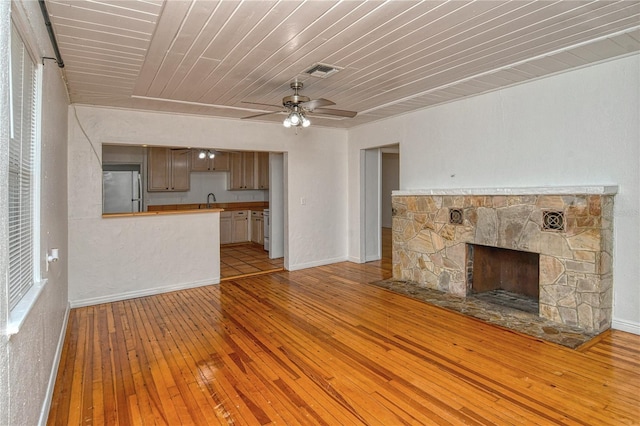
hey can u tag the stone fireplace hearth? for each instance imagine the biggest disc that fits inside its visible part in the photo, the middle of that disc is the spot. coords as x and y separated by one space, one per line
570 228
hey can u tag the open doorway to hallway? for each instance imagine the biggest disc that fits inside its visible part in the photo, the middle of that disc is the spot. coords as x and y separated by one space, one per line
380 176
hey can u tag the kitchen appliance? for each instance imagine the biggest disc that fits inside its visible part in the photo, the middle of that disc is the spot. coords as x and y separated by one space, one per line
267 223
121 189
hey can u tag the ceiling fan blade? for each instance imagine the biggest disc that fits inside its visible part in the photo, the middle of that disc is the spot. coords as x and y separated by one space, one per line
260 115
335 112
317 103
258 103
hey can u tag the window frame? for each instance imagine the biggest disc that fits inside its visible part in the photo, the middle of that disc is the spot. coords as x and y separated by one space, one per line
17 314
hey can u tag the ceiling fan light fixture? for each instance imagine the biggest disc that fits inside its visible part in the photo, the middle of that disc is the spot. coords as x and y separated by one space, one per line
286 123
206 153
294 117
305 122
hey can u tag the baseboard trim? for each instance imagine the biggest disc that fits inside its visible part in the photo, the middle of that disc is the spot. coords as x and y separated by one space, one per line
141 293
48 397
628 326
318 263
353 259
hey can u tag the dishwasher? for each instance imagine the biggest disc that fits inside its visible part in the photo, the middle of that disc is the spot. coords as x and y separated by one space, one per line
266 229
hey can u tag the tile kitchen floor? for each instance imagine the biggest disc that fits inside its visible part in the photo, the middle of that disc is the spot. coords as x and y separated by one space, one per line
238 260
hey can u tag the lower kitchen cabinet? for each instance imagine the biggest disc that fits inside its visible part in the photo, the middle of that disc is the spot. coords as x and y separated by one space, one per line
240 226
234 227
225 228
257 227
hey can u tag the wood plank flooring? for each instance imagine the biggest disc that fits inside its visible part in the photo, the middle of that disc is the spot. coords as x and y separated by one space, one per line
321 347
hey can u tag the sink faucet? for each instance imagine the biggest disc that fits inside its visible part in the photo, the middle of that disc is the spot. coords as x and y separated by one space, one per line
211 194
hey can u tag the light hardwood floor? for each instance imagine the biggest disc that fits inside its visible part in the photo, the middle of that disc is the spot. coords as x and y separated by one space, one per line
320 346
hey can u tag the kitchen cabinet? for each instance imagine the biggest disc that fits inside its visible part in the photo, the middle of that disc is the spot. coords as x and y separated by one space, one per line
241 170
225 228
234 227
257 227
220 163
168 169
240 226
262 170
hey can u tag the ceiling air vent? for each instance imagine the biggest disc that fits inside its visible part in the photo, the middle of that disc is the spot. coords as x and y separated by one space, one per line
322 70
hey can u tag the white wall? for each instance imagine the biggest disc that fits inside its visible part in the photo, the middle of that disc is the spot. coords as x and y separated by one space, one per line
316 172
125 257
576 128
28 358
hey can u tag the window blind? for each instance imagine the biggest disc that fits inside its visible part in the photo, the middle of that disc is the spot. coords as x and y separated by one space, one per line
21 169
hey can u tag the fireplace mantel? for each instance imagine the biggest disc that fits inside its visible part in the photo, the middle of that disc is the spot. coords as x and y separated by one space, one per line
543 190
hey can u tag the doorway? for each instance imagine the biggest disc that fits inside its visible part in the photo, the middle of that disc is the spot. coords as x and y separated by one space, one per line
380 175
248 259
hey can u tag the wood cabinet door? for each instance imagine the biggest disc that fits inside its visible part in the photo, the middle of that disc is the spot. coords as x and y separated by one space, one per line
221 162
248 166
256 224
159 169
240 231
225 229
180 169
236 174
199 164
262 166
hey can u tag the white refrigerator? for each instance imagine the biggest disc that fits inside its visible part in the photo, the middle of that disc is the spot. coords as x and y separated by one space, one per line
121 191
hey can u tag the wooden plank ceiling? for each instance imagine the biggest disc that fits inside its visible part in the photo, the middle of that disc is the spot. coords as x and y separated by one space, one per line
211 57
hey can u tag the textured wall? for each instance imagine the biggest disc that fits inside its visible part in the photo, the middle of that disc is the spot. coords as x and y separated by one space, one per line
28 358
125 257
316 171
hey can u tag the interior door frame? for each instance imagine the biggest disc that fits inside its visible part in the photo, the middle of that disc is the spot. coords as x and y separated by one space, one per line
371 174
370 204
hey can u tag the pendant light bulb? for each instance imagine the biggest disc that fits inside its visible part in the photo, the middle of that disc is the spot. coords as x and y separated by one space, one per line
202 155
305 122
286 123
295 118
212 155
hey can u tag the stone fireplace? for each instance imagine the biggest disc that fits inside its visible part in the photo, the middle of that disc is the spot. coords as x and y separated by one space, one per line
569 230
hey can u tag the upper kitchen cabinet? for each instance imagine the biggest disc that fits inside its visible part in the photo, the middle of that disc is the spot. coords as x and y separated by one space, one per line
220 163
248 170
168 169
262 170
242 170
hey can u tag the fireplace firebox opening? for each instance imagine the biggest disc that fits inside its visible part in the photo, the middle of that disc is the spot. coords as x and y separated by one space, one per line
504 277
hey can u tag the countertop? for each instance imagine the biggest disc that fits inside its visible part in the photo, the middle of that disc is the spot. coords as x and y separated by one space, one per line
248 205
162 212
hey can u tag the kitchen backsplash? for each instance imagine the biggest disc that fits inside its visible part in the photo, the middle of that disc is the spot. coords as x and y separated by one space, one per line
203 184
